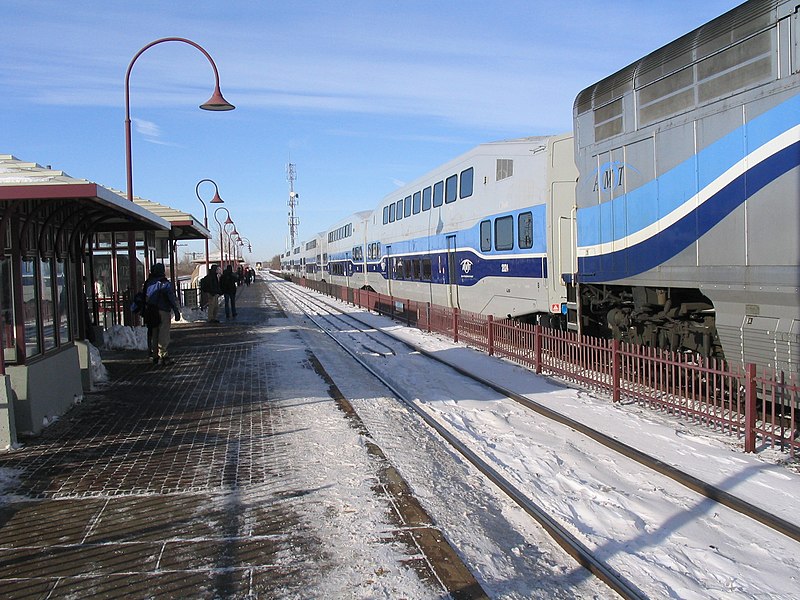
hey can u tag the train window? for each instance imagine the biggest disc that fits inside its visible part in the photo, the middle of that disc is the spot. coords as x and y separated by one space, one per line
486 236
407 206
385 215
426 269
399 273
414 264
358 253
417 202
504 233
505 168
426 198
450 191
466 183
525 230
391 213
438 193
399 211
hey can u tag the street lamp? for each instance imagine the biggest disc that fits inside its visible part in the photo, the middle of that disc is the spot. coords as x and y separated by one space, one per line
215 200
215 103
230 238
239 252
227 221
249 245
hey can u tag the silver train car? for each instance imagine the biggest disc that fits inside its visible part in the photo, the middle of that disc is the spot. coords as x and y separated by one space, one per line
345 243
688 203
477 233
313 258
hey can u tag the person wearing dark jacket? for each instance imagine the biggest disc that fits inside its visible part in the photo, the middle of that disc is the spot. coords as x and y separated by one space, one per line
161 301
227 284
209 286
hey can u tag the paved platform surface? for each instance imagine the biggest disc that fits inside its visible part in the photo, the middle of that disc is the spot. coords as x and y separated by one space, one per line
174 482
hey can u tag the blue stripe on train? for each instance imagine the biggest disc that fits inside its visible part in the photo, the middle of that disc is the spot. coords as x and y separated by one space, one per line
471 268
682 234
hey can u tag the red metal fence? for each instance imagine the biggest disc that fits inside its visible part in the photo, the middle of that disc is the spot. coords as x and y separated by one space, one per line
759 406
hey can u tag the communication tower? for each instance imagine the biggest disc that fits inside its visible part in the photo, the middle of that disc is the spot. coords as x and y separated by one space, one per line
294 221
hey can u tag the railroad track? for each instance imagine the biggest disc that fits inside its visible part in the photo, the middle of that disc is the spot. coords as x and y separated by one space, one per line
348 332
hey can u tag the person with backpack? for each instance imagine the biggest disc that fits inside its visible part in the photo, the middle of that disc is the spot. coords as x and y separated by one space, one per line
160 304
209 287
227 284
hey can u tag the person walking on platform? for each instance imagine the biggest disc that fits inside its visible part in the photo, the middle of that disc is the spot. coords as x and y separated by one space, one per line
161 300
227 284
209 287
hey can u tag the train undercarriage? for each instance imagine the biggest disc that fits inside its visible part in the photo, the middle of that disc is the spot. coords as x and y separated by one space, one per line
677 319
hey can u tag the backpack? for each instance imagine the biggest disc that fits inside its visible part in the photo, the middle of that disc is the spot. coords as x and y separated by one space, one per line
151 316
139 300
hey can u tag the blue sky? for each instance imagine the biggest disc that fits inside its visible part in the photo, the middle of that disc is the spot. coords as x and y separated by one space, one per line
361 96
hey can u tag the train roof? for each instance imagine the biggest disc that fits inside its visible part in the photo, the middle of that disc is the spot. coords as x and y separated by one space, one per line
491 148
361 215
734 25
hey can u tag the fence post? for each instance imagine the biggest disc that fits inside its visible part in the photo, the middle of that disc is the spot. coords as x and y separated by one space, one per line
615 370
490 333
750 408
537 349
407 307
428 315
455 325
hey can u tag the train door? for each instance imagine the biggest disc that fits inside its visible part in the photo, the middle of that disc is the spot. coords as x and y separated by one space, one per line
389 269
561 258
560 249
452 271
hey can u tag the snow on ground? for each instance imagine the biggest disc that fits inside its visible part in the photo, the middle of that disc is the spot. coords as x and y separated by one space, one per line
627 513
510 555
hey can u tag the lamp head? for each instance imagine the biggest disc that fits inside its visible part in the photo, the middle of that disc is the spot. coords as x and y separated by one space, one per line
217 102
216 199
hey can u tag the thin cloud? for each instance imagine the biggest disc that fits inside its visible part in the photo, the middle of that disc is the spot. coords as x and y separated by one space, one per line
151 132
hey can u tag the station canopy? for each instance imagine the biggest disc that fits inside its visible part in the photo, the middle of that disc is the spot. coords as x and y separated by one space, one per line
33 184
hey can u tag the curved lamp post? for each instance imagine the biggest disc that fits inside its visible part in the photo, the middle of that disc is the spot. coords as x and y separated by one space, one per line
249 245
240 250
215 200
230 238
221 243
215 103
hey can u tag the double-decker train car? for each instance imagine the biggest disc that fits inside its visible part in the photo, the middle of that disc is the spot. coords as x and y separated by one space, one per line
312 252
688 203
345 243
477 233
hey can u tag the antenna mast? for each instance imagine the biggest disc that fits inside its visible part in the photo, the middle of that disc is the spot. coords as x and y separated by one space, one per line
294 221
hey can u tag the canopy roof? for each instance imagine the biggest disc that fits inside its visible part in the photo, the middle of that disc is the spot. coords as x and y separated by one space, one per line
184 225
25 181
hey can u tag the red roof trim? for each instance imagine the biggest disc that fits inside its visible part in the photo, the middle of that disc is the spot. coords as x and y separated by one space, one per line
44 191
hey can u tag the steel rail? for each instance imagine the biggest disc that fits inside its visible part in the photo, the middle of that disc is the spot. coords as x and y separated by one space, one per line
689 481
571 545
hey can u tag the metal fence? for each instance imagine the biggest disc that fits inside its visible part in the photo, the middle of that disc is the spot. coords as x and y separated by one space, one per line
758 406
